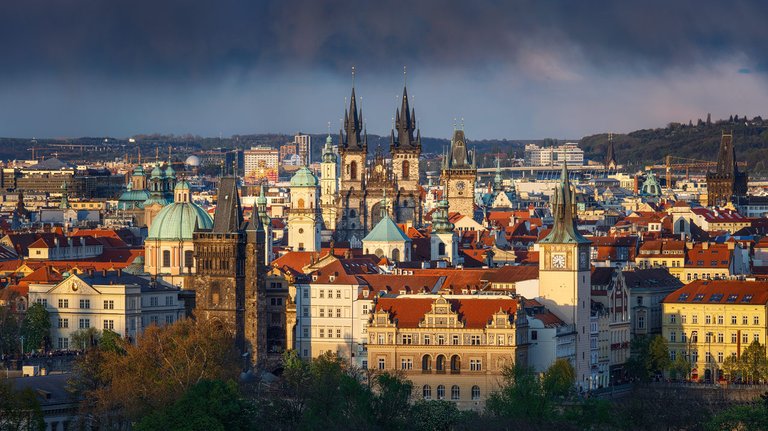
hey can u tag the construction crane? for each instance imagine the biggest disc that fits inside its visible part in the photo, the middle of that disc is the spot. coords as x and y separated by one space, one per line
687 164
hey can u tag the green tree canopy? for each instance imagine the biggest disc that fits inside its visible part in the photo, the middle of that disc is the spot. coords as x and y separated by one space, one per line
9 332
559 379
36 327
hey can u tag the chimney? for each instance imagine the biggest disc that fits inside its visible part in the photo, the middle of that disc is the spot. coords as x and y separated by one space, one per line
705 245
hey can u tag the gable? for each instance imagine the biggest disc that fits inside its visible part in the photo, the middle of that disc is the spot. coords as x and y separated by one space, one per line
74 285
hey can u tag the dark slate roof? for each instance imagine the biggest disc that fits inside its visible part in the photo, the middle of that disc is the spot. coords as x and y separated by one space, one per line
229 216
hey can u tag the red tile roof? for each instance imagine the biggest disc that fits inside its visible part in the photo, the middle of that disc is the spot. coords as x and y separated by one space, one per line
475 312
736 292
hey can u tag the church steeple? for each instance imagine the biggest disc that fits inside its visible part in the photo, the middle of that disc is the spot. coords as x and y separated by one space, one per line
497 186
610 154
726 158
352 137
564 230
405 125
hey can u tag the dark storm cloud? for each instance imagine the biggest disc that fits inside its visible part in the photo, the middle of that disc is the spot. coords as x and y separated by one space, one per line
184 39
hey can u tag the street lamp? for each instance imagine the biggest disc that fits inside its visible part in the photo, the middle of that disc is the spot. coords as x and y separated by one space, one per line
22 346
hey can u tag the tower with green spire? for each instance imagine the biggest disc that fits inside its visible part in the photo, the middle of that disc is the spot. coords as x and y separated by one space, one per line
329 184
444 243
564 273
64 204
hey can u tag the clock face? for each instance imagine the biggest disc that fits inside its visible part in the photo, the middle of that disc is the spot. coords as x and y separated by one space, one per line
460 185
558 261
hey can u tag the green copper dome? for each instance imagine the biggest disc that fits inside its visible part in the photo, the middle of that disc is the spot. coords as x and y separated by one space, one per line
328 155
169 172
304 178
157 172
182 185
177 222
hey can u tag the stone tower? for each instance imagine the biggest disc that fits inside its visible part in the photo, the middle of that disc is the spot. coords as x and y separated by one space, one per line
304 216
229 282
353 150
459 176
329 186
564 274
726 184
405 148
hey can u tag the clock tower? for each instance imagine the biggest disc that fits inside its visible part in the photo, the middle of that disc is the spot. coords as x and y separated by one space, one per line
459 176
564 274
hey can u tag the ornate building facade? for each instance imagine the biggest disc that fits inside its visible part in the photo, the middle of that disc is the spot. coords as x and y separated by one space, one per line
363 184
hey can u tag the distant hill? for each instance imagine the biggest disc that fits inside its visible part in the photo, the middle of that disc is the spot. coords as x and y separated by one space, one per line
698 140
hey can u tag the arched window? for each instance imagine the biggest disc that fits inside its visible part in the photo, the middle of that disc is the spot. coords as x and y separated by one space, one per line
166 258
682 225
426 392
441 392
455 364
352 214
396 255
455 392
300 203
353 170
215 295
475 392
426 363
406 169
440 366
441 249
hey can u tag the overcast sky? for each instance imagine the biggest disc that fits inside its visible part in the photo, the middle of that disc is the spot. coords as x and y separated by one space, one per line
510 69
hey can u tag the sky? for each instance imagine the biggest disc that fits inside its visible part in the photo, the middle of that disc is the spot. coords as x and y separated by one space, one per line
505 69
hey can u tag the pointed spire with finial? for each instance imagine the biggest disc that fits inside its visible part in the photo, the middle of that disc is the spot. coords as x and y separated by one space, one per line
563 206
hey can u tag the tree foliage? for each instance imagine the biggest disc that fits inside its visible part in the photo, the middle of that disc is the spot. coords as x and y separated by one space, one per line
123 382
559 379
36 327
9 332
209 405
19 409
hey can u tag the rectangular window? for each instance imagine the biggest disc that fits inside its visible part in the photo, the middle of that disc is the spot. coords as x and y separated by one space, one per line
733 320
455 340
85 323
322 333
406 364
720 337
322 312
756 320
381 339
744 320
338 312
734 338
166 258
305 312
169 301
322 293
338 333
365 308
427 340
109 324
719 320
474 340
756 337
695 319
441 340
407 339
109 305
720 357
63 303
169 319
672 337
475 365
673 318
85 303
305 293
306 332
745 338
641 322
338 294
683 319
708 319
382 363
154 301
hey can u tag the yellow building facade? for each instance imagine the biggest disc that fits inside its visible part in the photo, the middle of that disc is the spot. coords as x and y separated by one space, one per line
710 320
452 348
